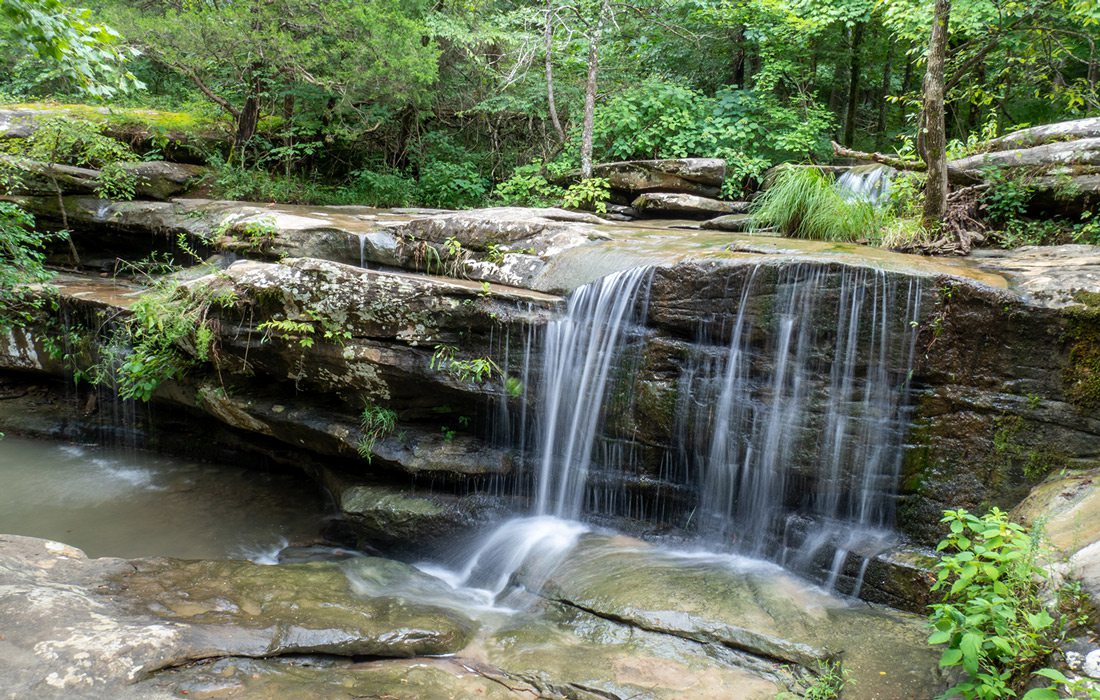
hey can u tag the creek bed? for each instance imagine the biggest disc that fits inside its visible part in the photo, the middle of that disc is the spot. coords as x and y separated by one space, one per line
131 503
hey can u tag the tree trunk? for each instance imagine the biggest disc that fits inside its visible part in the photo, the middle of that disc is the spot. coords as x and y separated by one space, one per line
884 91
853 85
548 39
590 91
934 142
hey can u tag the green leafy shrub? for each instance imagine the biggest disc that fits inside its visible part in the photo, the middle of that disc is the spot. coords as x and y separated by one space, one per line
1007 197
751 129
592 193
169 331
452 185
375 422
991 618
380 188
803 203
22 263
529 187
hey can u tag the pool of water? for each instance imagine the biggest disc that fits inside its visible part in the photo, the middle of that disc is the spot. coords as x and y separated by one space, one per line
128 503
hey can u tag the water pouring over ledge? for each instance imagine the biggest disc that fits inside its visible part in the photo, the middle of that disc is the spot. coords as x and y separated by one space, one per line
791 410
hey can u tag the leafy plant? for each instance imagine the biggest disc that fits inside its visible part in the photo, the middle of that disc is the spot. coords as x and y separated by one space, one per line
375 422
1007 197
991 618
529 187
593 193
169 331
22 263
803 203
475 370
451 185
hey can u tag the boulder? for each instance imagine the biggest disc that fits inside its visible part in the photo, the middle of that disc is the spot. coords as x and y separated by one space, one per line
1047 133
698 176
80 628
737 223
686 205
749 607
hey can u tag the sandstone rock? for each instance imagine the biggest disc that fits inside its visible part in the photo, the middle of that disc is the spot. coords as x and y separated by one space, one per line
671 204
739 223
80 628
152 180
751 607
697 176
1046 133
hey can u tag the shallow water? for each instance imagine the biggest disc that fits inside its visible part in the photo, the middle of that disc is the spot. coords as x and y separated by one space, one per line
133 504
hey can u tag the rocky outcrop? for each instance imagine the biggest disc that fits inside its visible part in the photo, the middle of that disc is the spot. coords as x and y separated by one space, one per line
156 179
176 136
751 608
80 628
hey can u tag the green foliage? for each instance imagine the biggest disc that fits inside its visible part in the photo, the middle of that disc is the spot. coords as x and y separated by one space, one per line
451 185
751 129
375 422
529 187
22 259
803 203
476 370
297 331
991 616
70 43
593 194
1007 197
168 332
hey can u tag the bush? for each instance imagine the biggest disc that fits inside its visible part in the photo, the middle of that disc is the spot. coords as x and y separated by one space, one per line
992 618
452 185
803 203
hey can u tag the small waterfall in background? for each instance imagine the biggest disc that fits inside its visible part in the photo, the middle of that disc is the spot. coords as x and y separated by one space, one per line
869 183
790 409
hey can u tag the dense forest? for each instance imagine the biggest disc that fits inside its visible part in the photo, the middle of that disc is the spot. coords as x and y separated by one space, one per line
458 104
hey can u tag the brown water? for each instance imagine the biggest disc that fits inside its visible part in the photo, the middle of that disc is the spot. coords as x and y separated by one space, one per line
132 504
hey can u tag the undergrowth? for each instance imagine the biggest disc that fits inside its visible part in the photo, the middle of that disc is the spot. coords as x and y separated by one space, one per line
804 203
991 618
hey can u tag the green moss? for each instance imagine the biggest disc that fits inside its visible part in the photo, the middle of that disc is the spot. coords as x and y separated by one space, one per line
1081 377
151 119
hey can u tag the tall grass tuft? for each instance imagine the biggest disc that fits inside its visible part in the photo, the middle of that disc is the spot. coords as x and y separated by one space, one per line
803 203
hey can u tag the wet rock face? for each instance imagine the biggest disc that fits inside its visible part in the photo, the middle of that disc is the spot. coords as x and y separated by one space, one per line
75 627
751 608
997 408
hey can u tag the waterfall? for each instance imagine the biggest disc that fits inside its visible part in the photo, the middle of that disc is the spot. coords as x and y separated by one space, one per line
791 407
868 183
579 353
802 429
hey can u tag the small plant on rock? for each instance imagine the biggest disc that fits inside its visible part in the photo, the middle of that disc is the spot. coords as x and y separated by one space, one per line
375 422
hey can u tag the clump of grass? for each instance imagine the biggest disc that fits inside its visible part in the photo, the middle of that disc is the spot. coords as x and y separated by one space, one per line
375 423
804 203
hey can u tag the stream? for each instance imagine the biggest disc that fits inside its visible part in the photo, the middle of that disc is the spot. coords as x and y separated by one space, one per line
130 503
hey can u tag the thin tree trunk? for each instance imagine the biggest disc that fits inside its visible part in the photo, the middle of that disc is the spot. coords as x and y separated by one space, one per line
590 91
880 123
935 139
853 84
548 39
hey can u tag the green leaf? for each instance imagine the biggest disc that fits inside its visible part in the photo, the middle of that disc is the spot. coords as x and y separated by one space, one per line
1042 694
951 657
1053 674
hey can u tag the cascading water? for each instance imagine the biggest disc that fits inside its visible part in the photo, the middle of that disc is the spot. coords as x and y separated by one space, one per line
869 183
791 411
579 352
805 424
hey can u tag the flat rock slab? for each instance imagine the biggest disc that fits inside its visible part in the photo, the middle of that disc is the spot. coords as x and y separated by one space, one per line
749 607
1045 275
75 627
